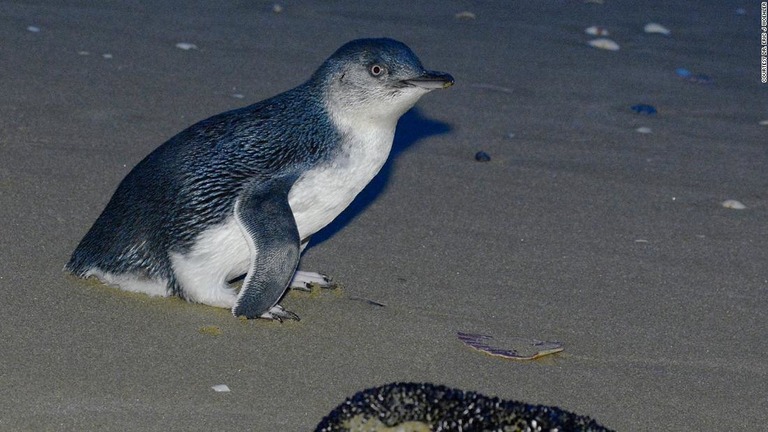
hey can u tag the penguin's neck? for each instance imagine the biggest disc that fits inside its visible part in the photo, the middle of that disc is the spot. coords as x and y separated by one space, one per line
324 191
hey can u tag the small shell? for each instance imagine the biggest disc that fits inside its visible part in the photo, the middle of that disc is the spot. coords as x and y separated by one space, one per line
763 122
513 348
220 388
596 31
465 15
604 43
733 204
643 130
277 8
33 29
186 46
107 56
656 28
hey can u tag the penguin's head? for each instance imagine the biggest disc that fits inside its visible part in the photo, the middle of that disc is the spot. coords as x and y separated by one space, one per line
378 79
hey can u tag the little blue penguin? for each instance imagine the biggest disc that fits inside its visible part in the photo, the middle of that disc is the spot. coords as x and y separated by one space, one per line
240 193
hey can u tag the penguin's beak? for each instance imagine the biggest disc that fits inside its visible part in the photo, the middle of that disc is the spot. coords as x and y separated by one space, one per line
431 80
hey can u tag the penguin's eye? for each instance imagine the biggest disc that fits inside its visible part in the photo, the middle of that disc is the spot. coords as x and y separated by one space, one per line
377 70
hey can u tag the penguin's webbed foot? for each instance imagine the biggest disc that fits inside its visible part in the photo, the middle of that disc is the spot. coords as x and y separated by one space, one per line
279 313
303 281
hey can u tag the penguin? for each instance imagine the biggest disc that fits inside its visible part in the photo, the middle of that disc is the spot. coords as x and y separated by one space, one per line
242 192
429 407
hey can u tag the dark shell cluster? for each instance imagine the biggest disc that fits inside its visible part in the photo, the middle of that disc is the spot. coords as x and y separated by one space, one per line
440 408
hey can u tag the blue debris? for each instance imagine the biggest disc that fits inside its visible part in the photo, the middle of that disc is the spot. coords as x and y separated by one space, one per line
482 156
644 109
702 79
694 78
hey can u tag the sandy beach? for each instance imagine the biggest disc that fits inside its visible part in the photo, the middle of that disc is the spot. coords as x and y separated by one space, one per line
593 224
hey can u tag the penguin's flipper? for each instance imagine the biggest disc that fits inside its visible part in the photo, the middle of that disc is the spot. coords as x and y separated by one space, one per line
263 213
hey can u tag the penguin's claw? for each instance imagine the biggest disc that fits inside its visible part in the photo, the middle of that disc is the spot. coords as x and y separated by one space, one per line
278 313
303 281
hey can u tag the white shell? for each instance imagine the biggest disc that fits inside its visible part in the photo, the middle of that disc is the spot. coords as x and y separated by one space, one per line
656 28
34 29
221 388
733 204
643 130
763 123
465 15
186 46
604 43
596 31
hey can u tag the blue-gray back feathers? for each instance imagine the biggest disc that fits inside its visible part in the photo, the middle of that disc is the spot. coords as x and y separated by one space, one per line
191 181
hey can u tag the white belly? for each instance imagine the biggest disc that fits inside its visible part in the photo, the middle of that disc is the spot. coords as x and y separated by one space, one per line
319 195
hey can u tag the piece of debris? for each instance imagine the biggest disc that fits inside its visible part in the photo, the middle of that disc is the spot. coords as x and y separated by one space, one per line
465 15
604 43
482 156
186 46
733 204
596 31
514 348
644 109
656 28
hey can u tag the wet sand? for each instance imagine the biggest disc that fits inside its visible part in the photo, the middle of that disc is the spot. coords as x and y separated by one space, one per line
580 229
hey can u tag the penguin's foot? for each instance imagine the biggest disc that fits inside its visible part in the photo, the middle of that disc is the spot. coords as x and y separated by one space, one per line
303 281
278 313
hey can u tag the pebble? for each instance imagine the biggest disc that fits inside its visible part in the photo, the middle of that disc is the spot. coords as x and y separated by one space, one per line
694 78
186 46
701 79
604 43
733 204
656 28
465 15
763 122
644 109
276 8
221 388
34 29
643 130
107 56
482 156
596 31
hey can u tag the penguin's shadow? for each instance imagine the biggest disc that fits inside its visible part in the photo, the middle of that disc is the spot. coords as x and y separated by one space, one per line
411 128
